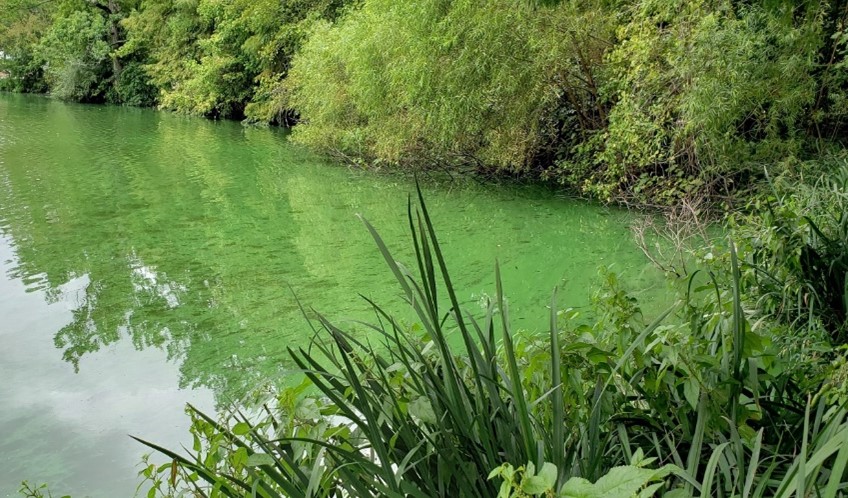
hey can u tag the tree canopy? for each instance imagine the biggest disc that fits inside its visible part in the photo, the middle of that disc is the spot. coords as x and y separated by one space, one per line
646 101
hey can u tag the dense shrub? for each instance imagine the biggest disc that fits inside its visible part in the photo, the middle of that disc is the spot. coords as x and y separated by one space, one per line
221 59
702 91
76 57
133 86
23 23
462 82
797 238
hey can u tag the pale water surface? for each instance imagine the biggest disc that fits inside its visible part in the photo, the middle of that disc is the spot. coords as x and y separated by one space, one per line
146 260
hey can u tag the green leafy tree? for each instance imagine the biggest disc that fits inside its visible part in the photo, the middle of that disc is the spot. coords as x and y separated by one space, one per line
76 56
702 93
221 59
22 24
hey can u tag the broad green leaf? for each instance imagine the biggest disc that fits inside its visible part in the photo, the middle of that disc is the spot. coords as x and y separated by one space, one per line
619 482
535 485
692 391
421 409
241 428
307 409
548 473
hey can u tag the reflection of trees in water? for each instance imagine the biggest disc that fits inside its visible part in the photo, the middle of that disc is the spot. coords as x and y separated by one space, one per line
188 235
99 321
138 244
182 235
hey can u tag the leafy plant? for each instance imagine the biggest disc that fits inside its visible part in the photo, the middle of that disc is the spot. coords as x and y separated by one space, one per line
442 408
77 56
798 243
624 481
29 490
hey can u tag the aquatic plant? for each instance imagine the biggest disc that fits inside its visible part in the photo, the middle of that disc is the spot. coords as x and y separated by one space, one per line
457 405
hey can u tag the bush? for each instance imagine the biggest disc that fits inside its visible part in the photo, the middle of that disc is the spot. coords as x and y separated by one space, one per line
466 82
221 59
700 94
133 86
77 57
797 238
22 25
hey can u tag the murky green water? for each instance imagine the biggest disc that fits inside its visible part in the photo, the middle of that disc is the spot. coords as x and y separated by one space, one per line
145 261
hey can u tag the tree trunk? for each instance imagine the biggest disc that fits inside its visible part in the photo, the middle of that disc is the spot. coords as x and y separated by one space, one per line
114 41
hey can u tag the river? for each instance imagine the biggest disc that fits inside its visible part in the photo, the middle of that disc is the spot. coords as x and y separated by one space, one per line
149 259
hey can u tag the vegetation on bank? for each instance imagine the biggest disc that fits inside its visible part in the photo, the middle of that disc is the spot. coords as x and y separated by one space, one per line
737 390
644 102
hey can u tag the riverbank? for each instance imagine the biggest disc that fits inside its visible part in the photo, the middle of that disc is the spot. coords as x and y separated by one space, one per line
134 231
169 247
634 106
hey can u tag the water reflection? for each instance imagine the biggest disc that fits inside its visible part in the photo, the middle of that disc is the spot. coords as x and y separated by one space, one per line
172 243
71 429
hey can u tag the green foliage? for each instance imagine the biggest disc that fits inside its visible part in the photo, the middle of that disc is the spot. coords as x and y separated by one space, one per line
133 86
76 57
69 49
624 481
22 24
163 34
723 406
208 57
648 102
29 490
797 238
221 59
524 481
701 92
463 82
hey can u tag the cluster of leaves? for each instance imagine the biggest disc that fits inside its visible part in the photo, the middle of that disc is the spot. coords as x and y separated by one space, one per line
623 481
797 237
651 101
29 490
77 56
464 82
21 26
208 57
699 91
460 406
222 59
69 48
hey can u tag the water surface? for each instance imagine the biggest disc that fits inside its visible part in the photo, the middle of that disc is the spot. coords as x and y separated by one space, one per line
146 260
